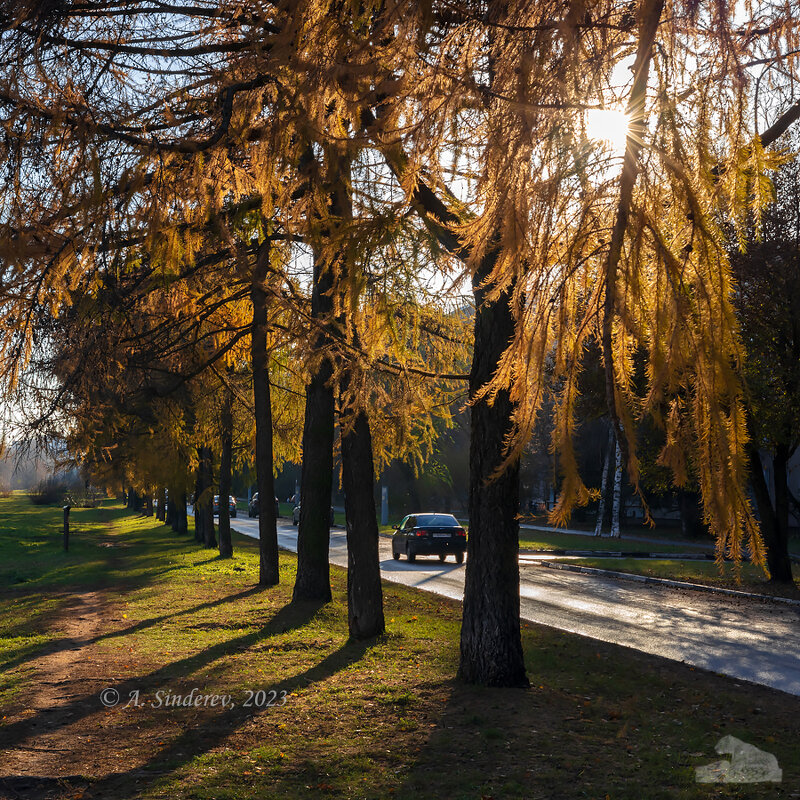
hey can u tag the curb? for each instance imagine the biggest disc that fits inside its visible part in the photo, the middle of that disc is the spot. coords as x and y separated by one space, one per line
620 554
556 551
701 587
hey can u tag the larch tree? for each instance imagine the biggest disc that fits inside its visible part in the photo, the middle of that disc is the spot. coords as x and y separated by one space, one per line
171 176
482 114
576 247
768 307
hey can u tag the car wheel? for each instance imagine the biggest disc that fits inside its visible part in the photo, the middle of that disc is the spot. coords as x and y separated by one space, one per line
442 557
460 557
233 516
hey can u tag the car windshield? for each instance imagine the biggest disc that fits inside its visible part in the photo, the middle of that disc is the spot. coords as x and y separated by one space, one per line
437 521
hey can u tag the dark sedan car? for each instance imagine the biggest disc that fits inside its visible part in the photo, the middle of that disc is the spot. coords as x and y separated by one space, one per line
231 505
252 507
429 534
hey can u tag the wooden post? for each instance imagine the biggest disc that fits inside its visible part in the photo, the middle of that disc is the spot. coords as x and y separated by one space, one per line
66 528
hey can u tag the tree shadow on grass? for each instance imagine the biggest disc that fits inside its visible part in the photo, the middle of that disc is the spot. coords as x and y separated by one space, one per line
482 735
27 652
194 740
286 619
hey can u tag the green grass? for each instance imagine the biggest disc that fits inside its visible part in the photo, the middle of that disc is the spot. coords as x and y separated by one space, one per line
752 578
546 540
380 719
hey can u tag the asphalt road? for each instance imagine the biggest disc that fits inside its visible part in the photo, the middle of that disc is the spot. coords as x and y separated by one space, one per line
751 640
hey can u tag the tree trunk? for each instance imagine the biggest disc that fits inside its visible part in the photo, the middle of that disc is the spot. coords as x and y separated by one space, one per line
204 505
364 591
491 645
225 544
183 522
778 561
268 574
691 512
170 517
161 514
176 513
148 503
601 506
615 508
313 536
199 490
774 519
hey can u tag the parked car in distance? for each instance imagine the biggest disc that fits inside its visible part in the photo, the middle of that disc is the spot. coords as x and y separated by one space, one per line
252 507
296 515
231 505
429 534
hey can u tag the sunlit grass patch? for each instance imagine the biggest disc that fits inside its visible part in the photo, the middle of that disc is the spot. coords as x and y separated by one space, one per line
555 540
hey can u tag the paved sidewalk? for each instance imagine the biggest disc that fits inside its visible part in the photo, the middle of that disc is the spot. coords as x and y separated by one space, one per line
631 576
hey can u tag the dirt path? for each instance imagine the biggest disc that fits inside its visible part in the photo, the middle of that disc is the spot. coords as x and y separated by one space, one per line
44 744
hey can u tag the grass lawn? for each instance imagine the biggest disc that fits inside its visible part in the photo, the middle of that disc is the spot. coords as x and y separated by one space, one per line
137 608
707 572
546 540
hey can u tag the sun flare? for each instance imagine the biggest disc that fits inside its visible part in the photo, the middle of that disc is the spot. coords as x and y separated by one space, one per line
609 127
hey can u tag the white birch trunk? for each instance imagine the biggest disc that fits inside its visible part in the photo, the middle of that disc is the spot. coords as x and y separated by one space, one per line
615 508
601 510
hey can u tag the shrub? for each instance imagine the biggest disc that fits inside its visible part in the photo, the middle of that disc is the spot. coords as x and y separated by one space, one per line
49 492
81 497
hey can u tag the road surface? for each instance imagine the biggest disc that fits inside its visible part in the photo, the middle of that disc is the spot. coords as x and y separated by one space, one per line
751 640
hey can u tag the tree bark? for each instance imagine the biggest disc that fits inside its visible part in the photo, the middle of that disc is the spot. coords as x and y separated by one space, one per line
364 591
778 560
268 574
204 505
617 499
491 645
316 482
161 514
691 513
774 519
199 488
601 506
148 503
209 531
225 544
170 515
183 522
